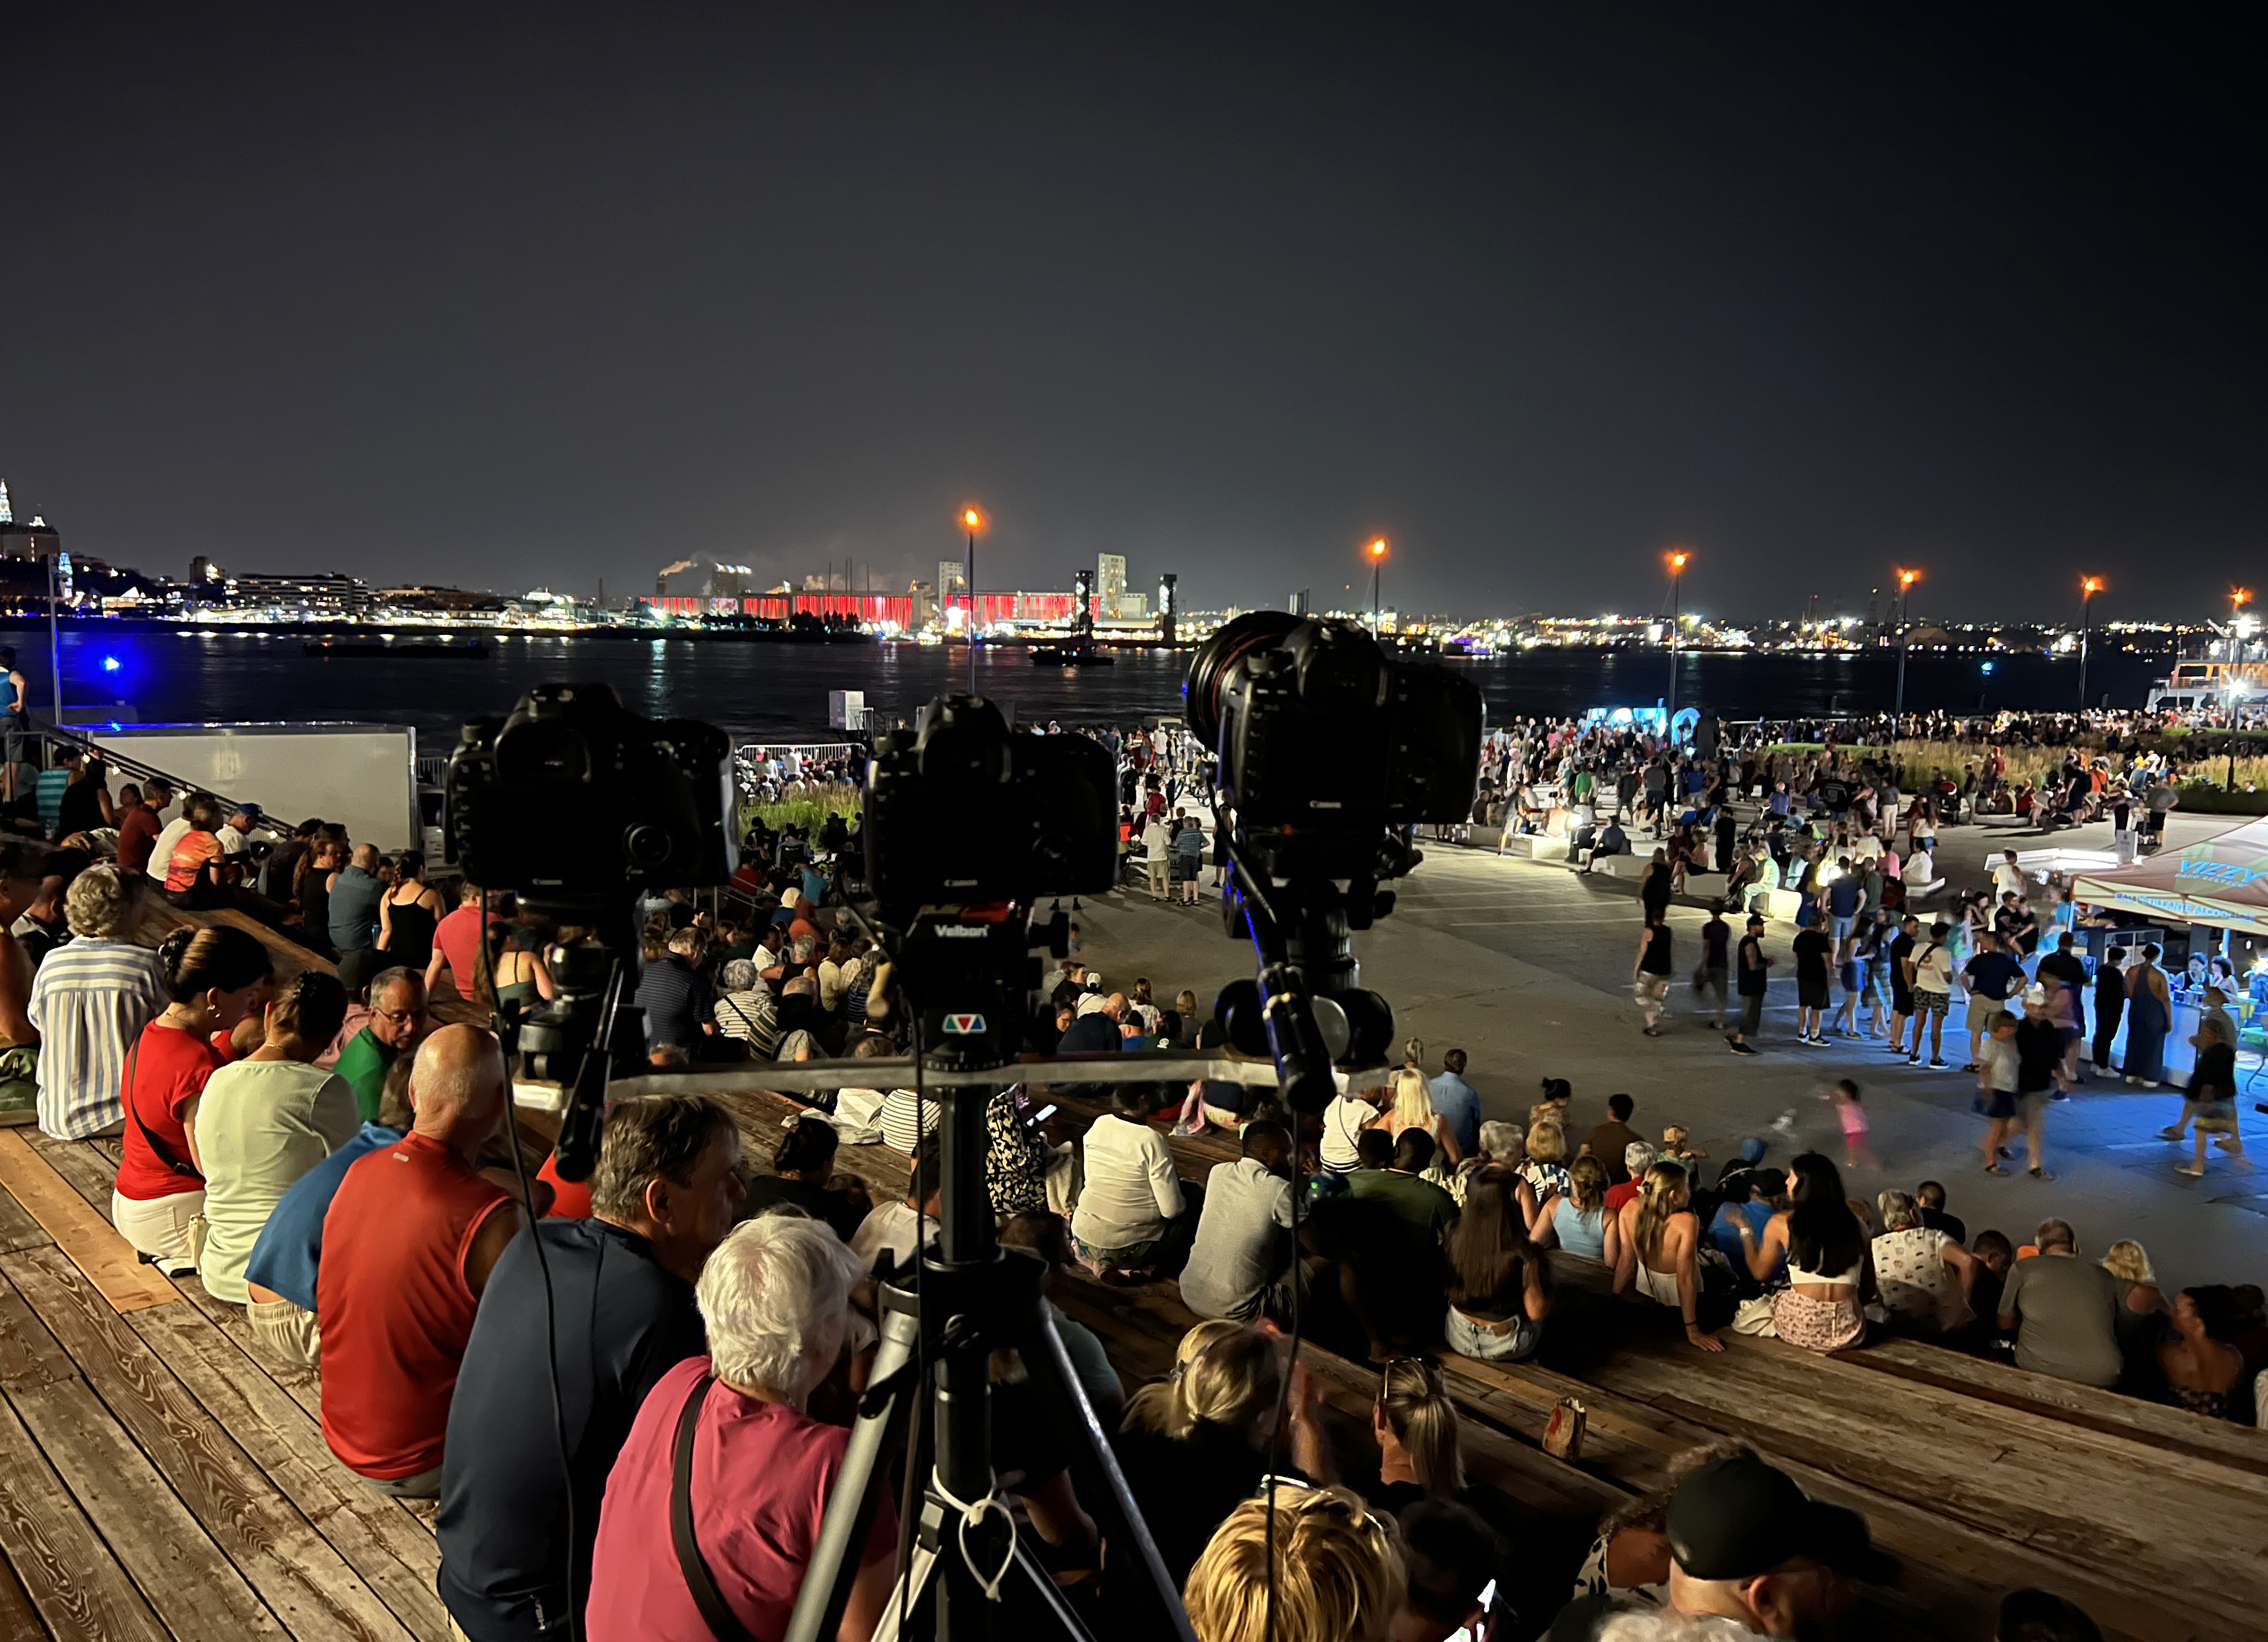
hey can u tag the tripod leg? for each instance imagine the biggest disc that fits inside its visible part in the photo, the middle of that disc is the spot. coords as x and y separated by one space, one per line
915 1583
1094 1470
878 1435
1052 1594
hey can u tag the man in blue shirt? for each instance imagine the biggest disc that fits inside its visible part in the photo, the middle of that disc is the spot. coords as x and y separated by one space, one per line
1766 1188
1842 896
1457 1100
665 1190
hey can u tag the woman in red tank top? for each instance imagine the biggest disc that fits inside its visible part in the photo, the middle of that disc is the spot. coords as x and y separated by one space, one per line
213 977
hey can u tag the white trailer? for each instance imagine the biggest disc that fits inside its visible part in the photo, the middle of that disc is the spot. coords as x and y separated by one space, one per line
364 776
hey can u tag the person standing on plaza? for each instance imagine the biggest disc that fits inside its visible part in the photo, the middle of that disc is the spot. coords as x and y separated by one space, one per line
1898 958
1996 1087
1753 978
1650 973
2109 1007
1992 977
2066 976
1812 948
1931 978
2150 1011
2039 1073
1716 962
1157 854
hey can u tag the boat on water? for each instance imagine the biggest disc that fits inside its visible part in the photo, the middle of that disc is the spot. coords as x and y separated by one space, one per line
1081 651
417 650
2227 674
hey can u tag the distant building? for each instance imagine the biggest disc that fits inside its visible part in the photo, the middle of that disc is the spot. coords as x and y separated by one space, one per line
325 593
202 569
1109 584
731 581
37 540
1298 603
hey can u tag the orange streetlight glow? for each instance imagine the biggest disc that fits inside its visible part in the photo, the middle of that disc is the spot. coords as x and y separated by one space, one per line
2239 597
2090 585
1378 548
1677 562
971 519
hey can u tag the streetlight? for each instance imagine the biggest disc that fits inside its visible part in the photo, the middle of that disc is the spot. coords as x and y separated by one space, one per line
1906 579
2088 587
1675 558
972 521
1377 551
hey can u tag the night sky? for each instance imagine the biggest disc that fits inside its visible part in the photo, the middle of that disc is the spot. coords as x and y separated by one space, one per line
509 297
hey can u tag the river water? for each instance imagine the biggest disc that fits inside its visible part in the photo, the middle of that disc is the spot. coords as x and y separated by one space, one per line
771 690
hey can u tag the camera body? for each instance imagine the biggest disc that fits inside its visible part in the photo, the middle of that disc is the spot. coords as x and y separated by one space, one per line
961 812
573 798
1326 743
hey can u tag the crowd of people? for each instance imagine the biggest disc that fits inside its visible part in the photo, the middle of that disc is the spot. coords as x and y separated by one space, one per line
331 1157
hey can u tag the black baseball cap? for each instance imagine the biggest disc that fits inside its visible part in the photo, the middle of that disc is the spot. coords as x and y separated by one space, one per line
1737 1518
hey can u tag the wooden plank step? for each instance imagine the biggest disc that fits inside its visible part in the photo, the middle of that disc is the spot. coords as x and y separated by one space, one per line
278 1553
2176 1430
393 1552
71 1578
86 1236
2049 1496
18 1228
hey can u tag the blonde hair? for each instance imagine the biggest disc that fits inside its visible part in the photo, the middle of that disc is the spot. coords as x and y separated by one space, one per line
1338 1574
1413 1104
1417 1405
2129 1261
1587 1182
1674 1135
1656 1203
1224 1373
1547 1142
103 902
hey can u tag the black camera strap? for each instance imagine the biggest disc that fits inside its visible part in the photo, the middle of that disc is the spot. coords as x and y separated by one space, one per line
720 1619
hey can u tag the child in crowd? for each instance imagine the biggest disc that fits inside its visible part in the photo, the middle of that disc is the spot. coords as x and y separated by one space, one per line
1677 1147
1853 1117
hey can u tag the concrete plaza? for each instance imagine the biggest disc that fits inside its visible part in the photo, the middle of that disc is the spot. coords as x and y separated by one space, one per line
1527 967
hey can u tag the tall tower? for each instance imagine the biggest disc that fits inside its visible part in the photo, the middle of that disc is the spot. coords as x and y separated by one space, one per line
1082 601
1167 609
7 513
1110 582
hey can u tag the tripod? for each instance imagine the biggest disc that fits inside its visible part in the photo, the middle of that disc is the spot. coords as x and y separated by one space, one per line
943 1315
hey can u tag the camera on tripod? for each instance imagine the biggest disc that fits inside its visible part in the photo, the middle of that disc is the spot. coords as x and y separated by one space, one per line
966 824
1326 743
1329 751
573 800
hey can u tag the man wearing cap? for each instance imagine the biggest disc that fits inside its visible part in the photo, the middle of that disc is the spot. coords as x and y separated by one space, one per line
1751 1556
234 832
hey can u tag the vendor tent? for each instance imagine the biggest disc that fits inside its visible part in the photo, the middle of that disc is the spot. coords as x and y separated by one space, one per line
2223 882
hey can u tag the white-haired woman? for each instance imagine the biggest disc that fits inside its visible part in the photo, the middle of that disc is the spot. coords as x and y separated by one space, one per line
774 1298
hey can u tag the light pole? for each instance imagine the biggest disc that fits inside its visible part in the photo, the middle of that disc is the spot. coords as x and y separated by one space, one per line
1377 551
2088 587
972 519
2238 597
1677 558
1906 579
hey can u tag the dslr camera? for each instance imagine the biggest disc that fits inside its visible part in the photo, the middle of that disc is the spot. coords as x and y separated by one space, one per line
1326 743
965 825
960 810
573 798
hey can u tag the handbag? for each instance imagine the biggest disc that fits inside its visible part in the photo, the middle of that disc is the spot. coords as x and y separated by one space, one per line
723 1623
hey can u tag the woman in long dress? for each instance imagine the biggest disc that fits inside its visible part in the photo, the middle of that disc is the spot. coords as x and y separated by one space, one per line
2149 1013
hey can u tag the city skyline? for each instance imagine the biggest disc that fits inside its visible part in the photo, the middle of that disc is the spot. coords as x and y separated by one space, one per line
535 299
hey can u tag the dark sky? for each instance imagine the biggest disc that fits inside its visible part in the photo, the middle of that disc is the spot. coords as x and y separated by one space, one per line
539 295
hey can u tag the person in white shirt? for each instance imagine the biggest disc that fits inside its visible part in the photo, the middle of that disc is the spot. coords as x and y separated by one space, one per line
2007 877
1130 1190
1243 1242
1343 1121
1158 856
899 1227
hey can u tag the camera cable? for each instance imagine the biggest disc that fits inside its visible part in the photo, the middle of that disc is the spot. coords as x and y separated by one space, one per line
543 1268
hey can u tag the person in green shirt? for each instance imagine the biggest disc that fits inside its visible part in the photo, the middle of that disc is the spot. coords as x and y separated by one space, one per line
1394 1184
397 1024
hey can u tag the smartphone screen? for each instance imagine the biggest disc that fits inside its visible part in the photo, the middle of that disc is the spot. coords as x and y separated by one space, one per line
1479 1632
1043 1114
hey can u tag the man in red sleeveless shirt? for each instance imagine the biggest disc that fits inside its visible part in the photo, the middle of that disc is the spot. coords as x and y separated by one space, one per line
408 1245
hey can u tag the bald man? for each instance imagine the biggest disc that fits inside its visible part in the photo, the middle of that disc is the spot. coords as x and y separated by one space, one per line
409 1242
355 890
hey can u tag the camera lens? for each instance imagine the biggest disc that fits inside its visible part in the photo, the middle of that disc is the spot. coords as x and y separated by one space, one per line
646 845
1216 659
